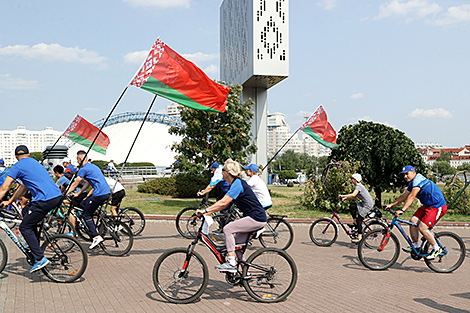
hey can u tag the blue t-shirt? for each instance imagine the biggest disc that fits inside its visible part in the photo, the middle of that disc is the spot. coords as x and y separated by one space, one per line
36 178
62 181
72 168
246 200
3 175
429 194
93 175
222 185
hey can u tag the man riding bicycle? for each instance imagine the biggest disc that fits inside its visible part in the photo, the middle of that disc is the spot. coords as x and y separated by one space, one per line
434 207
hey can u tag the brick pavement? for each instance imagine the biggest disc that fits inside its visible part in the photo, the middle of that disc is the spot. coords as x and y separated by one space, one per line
331 279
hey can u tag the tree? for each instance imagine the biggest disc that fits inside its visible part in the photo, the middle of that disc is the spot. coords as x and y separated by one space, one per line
464 167
214 137
37 156
382 152
443 168
445 156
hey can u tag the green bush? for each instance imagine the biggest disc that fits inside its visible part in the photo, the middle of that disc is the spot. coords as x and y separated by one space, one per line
290 184
162 186
177 186
462 204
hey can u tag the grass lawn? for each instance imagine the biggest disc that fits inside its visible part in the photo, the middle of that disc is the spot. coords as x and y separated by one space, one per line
285 199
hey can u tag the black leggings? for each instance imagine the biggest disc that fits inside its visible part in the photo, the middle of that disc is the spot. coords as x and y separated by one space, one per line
357 217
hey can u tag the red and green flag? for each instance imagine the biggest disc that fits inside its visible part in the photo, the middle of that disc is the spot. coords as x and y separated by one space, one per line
83 132
318 128
169 75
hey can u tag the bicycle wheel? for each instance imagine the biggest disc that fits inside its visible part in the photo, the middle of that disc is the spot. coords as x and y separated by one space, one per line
372 255
134 218
118 238
323 232
453 255
186 223
370 226
175 284
57 226
277 234
3 256
273 275
68 258
82 230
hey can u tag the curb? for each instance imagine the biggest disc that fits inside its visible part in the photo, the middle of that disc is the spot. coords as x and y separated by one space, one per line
307 220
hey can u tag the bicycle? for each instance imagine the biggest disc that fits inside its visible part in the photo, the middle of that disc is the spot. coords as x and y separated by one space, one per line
117 235
68 259
277 233
180 275
379 249
133 217
324 231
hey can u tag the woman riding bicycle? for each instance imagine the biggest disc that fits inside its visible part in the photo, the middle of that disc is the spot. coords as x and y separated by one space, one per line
254 215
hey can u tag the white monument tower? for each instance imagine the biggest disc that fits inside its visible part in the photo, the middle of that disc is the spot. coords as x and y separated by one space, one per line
254 52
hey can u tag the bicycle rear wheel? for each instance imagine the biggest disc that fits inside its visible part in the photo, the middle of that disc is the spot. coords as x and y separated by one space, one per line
370 250
3 256
452 256
134 218
67 256
277 234
273 275
118 238
323 232
186 223
175 284
372 225
58 226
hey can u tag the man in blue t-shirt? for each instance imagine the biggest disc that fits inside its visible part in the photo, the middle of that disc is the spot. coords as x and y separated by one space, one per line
434 207
94 177
68 166
46 196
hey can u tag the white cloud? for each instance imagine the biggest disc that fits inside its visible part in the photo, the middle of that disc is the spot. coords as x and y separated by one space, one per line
328 4
357 96
92 109
12 83
408 10
212 70
454 15
163 4
54 52
200 57
431 113
136 57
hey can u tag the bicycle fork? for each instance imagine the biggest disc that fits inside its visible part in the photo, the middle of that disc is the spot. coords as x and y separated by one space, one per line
384 241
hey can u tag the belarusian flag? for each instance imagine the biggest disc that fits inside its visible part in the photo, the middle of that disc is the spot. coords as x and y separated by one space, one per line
83 132
318 128
169 75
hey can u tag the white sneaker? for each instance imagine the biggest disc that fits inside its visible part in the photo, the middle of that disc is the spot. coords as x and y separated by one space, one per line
118 228
259 232
96 241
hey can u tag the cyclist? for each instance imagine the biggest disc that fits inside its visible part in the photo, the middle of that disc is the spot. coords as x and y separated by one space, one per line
434 207
94 177
117 194
68 166
46 196
258 186
221 186
254 215
363 207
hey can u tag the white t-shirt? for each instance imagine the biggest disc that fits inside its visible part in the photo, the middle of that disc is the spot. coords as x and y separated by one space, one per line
114 186
260 190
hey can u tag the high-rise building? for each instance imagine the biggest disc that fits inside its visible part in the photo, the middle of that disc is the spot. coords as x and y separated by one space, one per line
173 109
35 140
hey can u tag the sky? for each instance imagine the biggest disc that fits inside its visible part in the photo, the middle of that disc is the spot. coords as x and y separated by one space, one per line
403 63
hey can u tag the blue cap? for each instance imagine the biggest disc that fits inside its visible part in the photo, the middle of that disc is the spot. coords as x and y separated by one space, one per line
215 165
252 167
1 161
408 168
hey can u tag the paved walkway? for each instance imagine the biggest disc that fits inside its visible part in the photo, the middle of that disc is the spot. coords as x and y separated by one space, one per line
331 279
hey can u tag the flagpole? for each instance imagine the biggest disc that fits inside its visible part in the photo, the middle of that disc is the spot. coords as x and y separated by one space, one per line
280 149
135 139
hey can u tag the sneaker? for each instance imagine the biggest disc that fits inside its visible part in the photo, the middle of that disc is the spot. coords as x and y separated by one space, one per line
259 232
434 253
117 228
69 234
407 249
226 267
96 241
355 240
39 264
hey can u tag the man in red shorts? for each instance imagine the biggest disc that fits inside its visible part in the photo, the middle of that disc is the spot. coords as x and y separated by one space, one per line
434 207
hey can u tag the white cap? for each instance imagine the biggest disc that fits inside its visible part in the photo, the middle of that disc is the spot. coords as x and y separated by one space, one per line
66 160
357 177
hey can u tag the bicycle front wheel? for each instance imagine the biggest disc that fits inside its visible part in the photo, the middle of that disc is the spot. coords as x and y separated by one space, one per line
67 256
272 273
323 232
187 223
176 284
134 218
118 238
372 225
277 234
3 256
376 255
452 256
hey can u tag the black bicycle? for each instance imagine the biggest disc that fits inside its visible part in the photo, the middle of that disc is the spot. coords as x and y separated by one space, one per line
277 233
181 275
68 259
